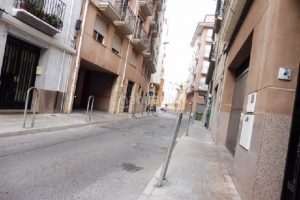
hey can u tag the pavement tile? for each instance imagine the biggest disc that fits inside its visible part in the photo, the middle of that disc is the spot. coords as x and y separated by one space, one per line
196 172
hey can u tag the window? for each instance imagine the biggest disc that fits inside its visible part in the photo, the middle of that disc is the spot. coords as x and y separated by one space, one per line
207 50
209 35
100 30
205 67
117 45
134 58
203 86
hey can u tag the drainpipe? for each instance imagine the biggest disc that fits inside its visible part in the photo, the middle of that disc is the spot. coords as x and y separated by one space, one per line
77 61
64 55
126 59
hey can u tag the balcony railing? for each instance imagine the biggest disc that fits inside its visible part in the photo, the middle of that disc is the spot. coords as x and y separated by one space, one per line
50 11
219 9
142 35
147 7
126 13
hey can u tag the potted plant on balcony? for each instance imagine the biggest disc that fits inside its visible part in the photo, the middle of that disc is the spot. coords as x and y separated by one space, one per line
35 7
54 20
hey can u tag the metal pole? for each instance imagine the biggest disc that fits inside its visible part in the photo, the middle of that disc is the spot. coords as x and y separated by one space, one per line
26 106
188 128
88 109
34 108
134 107
143 101
170 150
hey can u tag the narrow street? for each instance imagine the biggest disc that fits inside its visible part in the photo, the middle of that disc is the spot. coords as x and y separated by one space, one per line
108 161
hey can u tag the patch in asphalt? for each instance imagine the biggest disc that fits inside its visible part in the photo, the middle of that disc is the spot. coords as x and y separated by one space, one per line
149 132
131 167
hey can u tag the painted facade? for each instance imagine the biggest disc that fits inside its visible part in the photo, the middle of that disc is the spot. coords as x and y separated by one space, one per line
252 103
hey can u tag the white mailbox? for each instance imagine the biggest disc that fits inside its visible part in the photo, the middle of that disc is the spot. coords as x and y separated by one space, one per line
246 134
251 102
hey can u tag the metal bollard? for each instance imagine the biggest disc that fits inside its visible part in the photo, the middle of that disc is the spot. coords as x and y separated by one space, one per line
88 109
34 107
170 150
188 128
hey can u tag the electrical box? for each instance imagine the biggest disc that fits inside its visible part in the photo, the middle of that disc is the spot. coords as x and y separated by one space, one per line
285 74
251 102
39 70
246 133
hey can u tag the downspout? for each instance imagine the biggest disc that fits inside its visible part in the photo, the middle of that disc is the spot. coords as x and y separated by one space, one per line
63 58
126 60
77 62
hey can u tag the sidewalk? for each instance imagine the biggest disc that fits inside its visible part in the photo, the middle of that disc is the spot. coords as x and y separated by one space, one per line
196 172
11 125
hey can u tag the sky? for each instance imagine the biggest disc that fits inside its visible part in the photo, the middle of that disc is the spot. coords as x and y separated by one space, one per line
183 17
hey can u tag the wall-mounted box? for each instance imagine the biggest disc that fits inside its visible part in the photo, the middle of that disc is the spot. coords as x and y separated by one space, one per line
246 133
285 74
251 102
39 70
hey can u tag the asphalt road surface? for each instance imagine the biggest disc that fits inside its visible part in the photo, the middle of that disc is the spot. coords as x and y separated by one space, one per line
112 161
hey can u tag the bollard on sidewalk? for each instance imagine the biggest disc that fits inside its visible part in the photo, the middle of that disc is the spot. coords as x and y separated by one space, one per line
170 150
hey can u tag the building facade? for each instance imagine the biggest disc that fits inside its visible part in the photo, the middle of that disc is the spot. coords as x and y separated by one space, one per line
36 47
157 79
201 42
255 95
115 57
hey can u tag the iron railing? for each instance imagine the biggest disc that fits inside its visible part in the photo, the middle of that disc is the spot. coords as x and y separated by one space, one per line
219 9
126 13
150 4
50 11
142 35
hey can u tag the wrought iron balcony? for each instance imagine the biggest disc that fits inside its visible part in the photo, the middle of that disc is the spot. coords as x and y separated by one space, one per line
127 22
44 15
159 4
147 7
155 31
149 58
140 40
213 51
218 15
110 8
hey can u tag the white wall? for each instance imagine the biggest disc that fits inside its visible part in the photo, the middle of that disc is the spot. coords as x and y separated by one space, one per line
51 56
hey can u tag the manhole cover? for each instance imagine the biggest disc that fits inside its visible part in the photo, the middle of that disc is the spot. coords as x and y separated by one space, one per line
131 167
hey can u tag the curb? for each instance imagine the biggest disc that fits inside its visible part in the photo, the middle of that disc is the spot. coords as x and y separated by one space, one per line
150 187
49 129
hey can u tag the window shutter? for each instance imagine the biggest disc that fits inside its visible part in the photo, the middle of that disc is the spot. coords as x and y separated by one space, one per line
100 27
117 44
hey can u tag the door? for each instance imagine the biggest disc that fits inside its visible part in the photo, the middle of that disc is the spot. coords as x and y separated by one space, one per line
128 95
17 73
291 184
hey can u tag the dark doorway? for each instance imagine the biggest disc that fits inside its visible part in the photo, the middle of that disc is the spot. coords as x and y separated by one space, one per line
128 95
17 72
241 74
291 184
96 83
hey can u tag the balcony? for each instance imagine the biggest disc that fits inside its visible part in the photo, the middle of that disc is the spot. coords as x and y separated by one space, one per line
149 58
140 40
146 7
44 15
203 87
109 8
154 32
152 24
213 52
159 5
218 15
127 21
